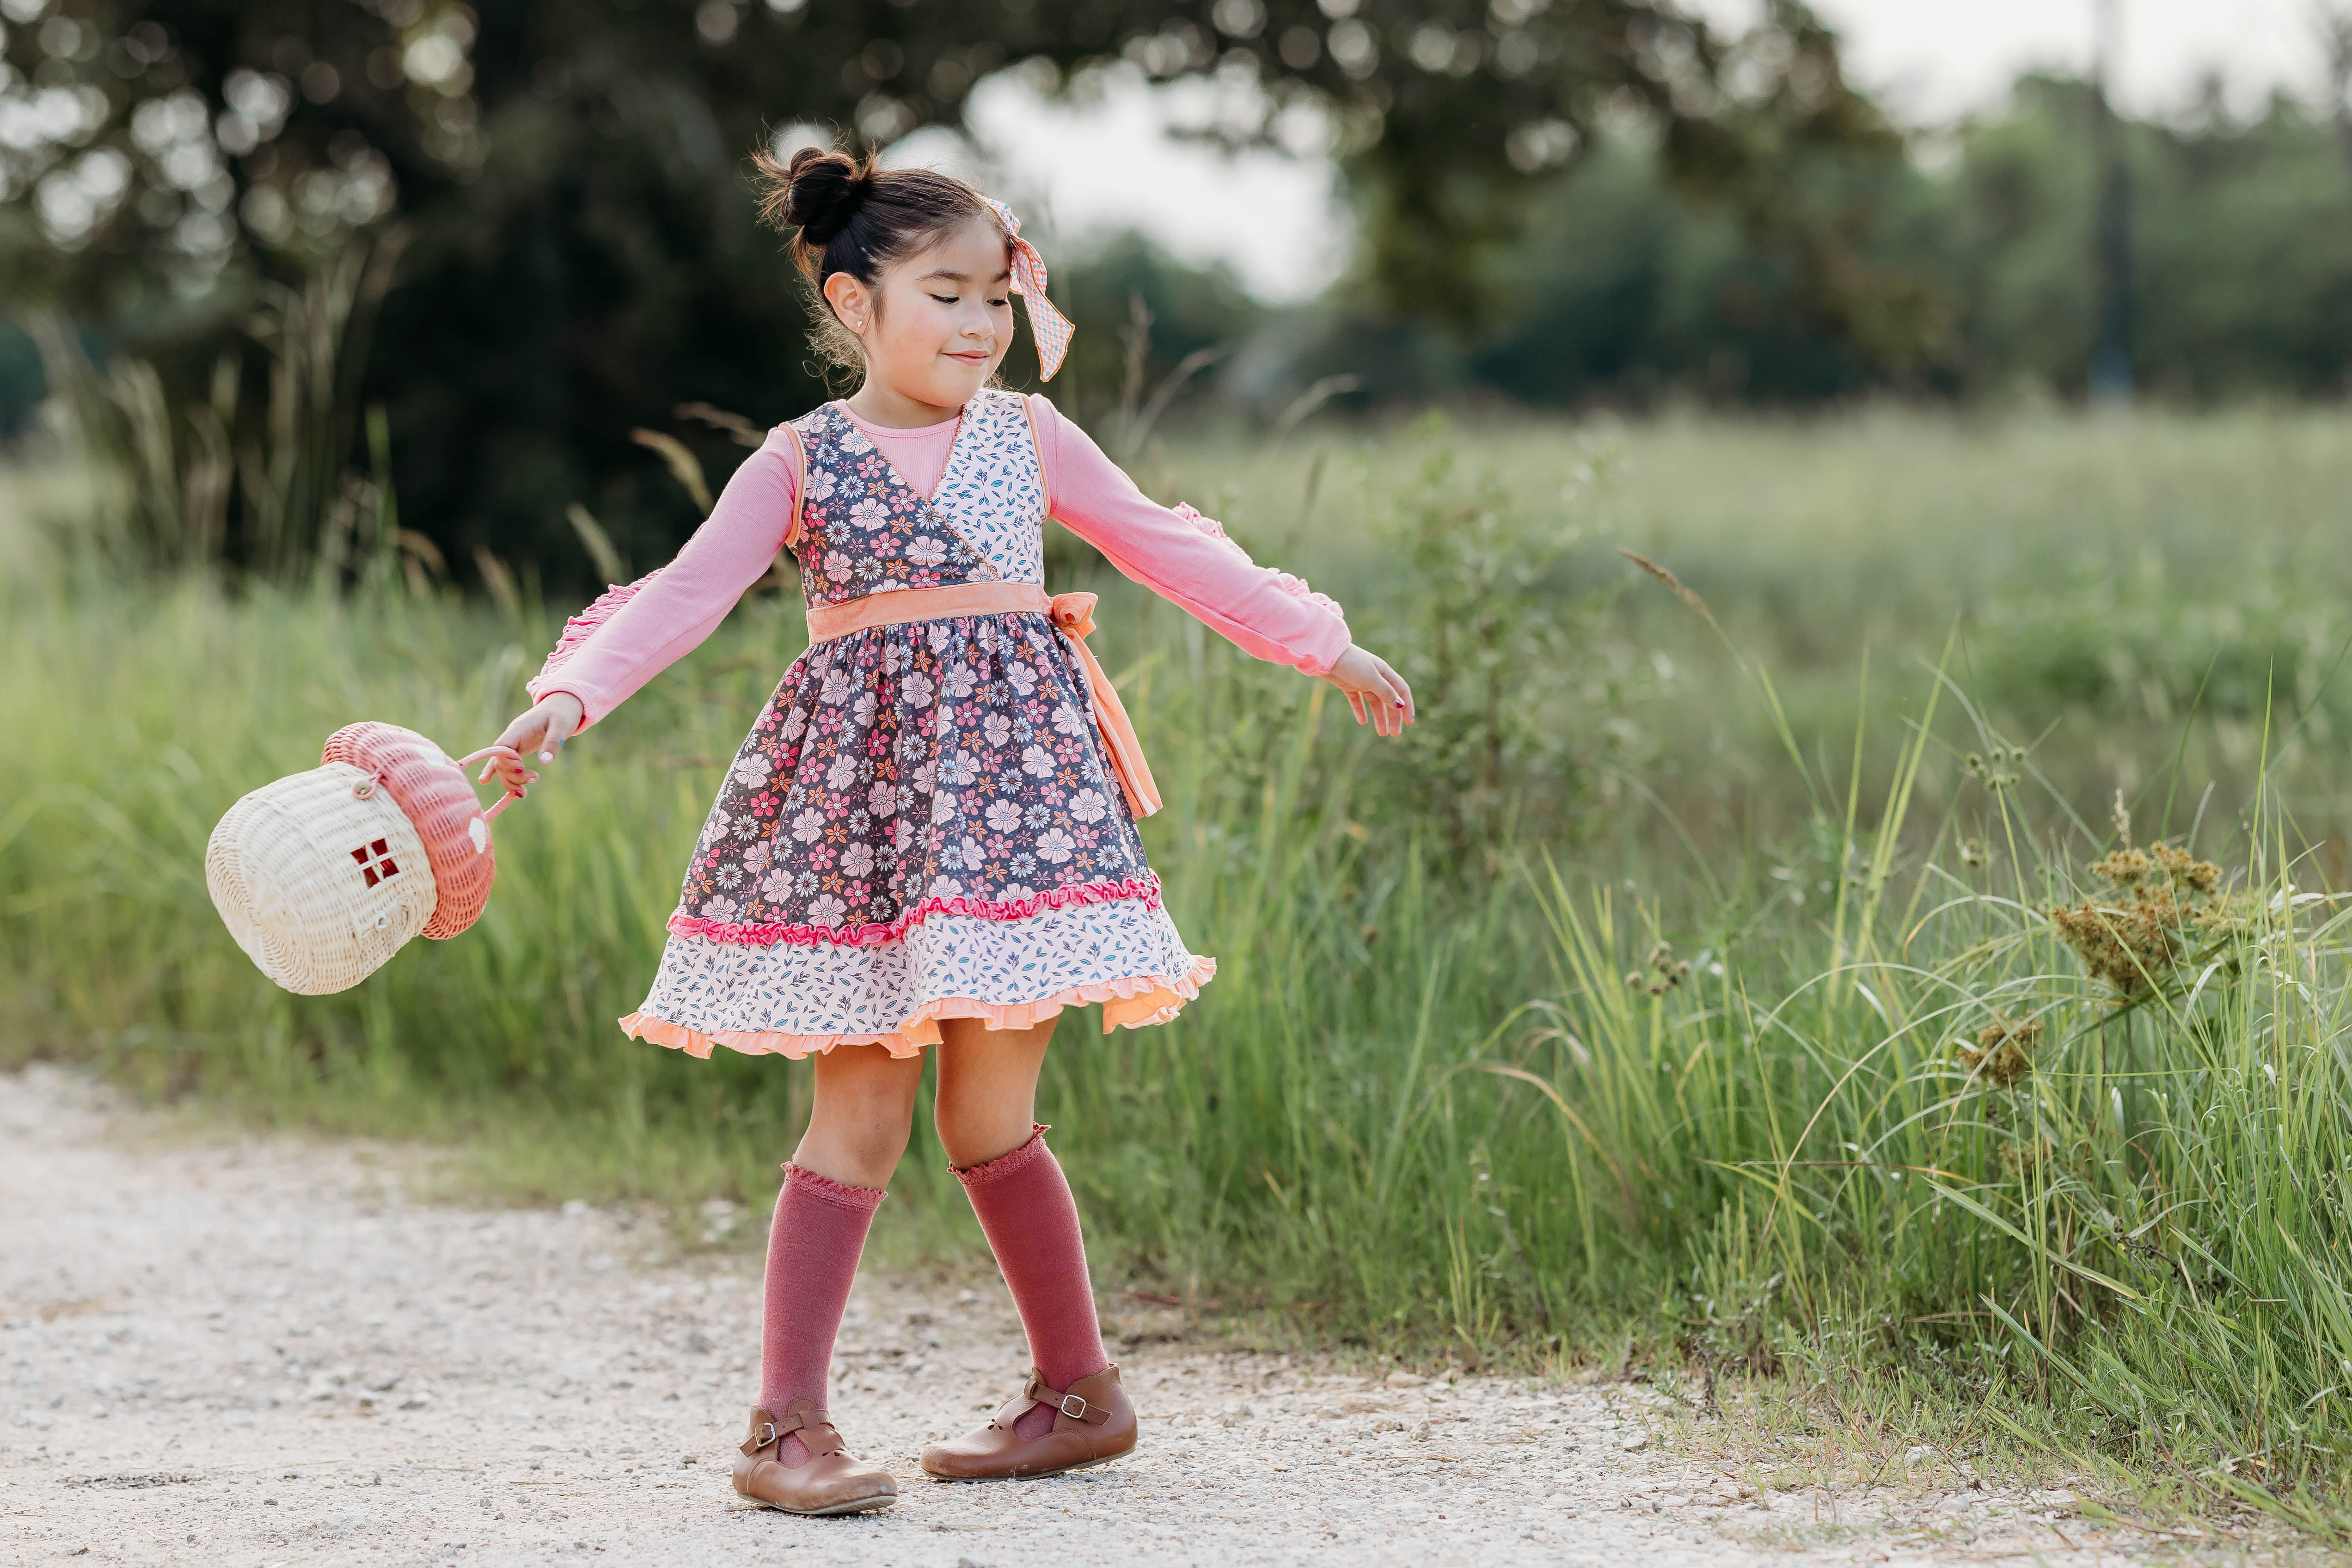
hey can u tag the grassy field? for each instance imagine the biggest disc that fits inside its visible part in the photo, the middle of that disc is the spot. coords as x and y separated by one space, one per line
1719 978
2104 576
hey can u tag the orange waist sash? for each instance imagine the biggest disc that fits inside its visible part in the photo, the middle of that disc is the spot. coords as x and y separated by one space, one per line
1074 614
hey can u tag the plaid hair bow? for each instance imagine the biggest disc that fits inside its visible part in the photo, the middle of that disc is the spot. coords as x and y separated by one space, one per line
1051 327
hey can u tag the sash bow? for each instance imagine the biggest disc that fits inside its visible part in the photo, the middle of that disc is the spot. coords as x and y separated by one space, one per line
1074 614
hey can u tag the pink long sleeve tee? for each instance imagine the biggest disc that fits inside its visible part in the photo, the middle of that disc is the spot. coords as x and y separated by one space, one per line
1261 610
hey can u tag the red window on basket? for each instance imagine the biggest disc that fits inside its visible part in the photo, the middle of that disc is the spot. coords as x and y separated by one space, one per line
375 862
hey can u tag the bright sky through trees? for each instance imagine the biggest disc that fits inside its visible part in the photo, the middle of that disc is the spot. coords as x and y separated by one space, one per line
1112 165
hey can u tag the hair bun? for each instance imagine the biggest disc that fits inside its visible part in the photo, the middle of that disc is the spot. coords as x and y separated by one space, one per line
825 191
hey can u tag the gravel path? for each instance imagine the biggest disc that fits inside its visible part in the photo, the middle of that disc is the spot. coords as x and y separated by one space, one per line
259 1352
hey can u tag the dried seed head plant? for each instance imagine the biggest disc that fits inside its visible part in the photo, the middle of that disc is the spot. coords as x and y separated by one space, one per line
2003 1054
1664 971
1998 771
2162 903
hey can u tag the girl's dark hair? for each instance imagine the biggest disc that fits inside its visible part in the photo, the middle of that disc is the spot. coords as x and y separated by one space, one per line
855 217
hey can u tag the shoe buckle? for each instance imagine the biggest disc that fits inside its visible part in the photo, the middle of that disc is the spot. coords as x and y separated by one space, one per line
768 1433
1068 1400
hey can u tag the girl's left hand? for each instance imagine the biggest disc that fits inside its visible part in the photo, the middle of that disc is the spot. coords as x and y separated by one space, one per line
1377 694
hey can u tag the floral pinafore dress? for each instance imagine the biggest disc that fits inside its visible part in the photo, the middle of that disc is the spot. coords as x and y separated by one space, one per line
922 824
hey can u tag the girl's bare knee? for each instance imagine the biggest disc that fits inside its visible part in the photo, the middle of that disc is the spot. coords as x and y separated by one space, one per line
987 1089
974 1132
864 1114
882 1141
862 1150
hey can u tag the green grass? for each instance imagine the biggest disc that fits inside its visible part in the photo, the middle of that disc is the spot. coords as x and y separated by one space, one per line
1421 1110
2107 577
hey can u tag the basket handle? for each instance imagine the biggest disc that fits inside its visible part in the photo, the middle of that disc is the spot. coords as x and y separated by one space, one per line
495 753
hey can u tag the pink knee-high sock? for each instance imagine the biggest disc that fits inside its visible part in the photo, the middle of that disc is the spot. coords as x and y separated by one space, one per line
812 1249
1032 1223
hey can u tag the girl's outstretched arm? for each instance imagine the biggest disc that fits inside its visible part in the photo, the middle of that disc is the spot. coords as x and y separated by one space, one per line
671 612
1263 612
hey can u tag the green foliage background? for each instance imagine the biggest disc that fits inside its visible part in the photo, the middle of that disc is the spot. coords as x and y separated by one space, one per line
566 183
1623 291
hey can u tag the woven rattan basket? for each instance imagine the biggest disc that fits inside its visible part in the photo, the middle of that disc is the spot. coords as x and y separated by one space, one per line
323 876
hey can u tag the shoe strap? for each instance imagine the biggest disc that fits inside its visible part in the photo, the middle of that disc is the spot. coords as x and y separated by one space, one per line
1037 1392
810 1423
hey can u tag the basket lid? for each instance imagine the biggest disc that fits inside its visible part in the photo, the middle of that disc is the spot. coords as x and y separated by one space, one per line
433 792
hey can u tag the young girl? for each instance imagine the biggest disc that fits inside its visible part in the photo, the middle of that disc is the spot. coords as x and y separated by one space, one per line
928 837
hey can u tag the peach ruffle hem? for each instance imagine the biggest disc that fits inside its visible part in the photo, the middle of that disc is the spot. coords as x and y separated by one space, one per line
1132 1003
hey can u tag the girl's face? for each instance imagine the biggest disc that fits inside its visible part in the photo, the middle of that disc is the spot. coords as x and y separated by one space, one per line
936 323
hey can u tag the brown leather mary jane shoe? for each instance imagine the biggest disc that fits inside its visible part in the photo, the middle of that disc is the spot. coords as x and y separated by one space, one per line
1093 1423
828 1481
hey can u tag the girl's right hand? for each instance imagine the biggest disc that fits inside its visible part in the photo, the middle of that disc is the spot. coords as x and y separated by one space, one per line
541 728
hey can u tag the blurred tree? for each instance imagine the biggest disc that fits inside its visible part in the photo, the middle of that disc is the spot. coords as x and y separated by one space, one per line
2111 233
583 256
1624 290
1184 311
21 382
1447 111
2334 24
2240 235
2242 242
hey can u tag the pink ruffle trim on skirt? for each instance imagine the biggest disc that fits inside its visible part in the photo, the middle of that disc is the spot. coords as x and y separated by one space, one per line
1146 887
1131 1003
